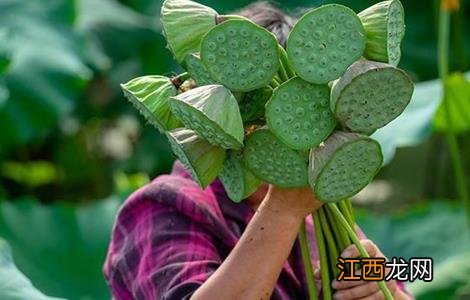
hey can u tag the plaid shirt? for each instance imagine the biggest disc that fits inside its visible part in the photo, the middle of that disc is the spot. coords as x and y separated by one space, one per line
170 236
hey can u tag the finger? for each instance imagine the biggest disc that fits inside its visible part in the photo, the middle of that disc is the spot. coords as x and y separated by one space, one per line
361 291
392 286
346 284
376 296
352 250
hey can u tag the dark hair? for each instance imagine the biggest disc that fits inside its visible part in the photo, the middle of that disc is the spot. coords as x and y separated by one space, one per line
270 17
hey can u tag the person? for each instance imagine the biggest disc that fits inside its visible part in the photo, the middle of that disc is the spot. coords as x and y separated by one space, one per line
172 240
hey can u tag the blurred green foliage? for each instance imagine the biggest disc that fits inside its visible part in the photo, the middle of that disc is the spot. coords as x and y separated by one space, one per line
67 134
60 247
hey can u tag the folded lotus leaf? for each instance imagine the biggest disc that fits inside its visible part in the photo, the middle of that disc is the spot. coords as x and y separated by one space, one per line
343 165
369 95
239 182
324 42
240 55
184 24
299 113
151 96
384 24
274 162
202 159
212 112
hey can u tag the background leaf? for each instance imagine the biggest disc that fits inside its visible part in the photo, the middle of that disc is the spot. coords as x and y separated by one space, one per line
458 99
60 247
13 284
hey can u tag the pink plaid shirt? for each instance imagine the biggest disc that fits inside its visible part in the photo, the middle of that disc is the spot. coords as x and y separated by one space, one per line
170 236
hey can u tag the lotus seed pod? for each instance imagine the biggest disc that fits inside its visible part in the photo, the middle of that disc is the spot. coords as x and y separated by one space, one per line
299 113
343 165
197 70
274 162
238 181
212 112
202 159
240 55
384 24
252 104
184 24
325 42
151 96
370 95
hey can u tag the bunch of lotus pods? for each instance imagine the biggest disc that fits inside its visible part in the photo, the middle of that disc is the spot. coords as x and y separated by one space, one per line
248 110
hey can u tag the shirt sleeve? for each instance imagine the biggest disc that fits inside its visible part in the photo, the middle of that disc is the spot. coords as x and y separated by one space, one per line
156 252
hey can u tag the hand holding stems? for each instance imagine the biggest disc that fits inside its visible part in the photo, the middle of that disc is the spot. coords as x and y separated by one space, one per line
252 268
363 290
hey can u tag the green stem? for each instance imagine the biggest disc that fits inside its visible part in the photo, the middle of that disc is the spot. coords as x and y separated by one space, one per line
275 82
340 235
352 234
330 242
282 73
307 261
325 275
285 62
443 65
346 208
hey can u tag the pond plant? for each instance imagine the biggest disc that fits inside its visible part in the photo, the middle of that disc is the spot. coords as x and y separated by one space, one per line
249 111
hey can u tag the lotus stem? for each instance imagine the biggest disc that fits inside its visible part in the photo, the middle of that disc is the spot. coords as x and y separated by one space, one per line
452 143
353 235
330 242
325 275
305 251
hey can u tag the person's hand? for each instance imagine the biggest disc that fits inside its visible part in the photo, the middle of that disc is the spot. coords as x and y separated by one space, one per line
363 290
299 201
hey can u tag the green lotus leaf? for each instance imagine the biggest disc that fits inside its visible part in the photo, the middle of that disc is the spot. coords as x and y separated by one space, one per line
343 165
325 42
184 24
197 70
151 95
212 112
299 113
239 182
384 24
252 104
240 55
202 159
369 95
273 161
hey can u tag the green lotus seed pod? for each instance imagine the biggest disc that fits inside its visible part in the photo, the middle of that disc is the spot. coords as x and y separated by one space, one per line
151 96
238 181
184 24
324 42
240 55
384 24
202 159
343 165
369 95
212 112
197 70
299 113
252 104
274 162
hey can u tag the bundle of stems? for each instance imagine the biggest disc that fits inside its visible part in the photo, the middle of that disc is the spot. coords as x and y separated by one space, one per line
334 231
